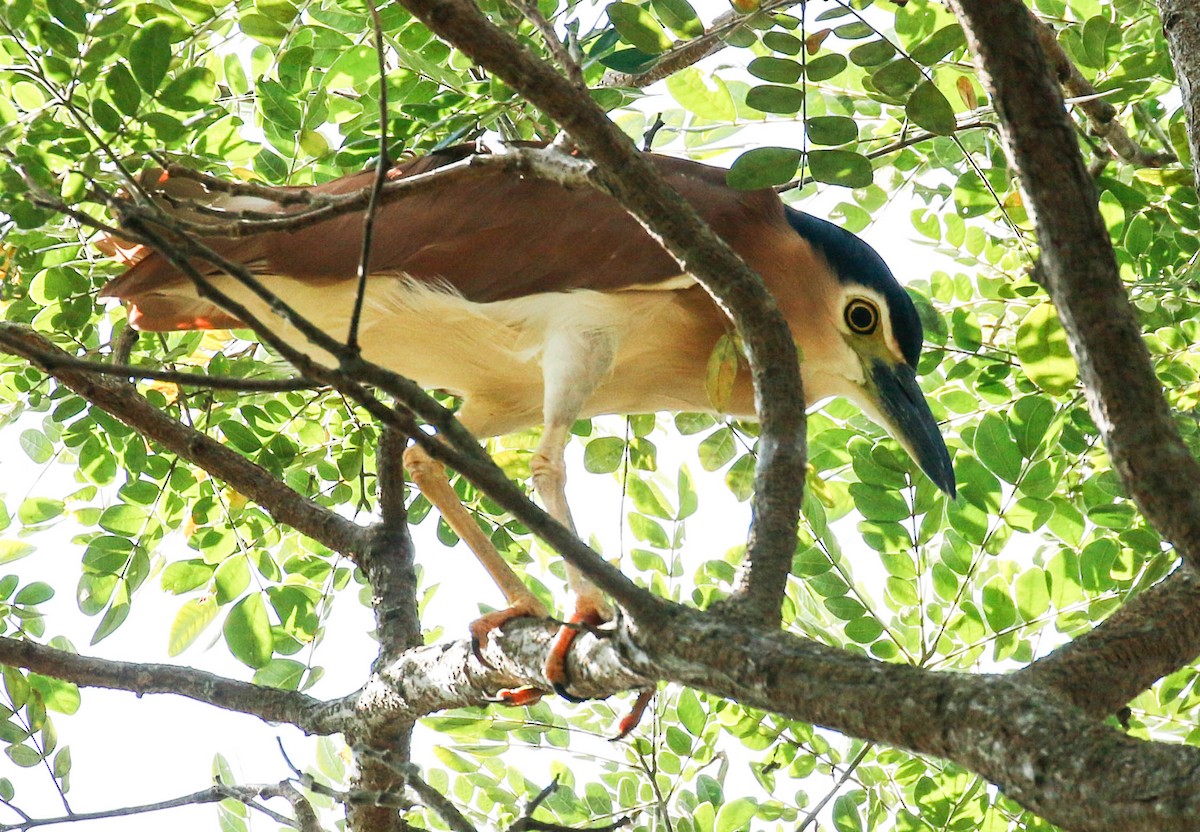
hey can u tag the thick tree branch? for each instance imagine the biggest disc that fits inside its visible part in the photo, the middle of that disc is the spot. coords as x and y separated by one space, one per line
1151 635
1042 752
779 479
123 402
269 704
1124 395
1181 25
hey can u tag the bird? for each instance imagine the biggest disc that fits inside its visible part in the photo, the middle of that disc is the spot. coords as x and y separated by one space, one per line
539 304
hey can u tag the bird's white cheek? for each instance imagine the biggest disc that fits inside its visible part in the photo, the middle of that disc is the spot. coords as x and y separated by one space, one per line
840 375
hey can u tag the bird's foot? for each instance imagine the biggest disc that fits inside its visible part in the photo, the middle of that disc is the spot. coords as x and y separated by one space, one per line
481 628
631 719
556 662
519 697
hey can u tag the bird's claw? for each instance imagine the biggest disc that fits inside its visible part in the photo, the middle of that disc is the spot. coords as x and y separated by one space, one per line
518 697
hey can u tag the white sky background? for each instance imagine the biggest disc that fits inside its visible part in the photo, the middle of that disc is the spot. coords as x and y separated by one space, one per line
128 751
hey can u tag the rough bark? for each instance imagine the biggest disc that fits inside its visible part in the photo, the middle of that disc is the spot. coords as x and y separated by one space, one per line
269 704
1153 634
1181 25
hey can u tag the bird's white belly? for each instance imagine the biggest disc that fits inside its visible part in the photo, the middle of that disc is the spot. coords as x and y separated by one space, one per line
493 354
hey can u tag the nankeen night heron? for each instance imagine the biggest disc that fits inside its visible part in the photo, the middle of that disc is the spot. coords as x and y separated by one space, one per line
538 304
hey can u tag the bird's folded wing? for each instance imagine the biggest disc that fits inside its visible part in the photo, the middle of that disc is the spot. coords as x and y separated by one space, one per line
489 236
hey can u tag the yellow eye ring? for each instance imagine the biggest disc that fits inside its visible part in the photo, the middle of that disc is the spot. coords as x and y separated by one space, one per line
862 316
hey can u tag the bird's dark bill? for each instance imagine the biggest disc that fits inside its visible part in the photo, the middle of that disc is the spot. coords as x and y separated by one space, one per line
904 407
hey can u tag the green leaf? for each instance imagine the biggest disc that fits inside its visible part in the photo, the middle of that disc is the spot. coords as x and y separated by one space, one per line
194 88
825 67
123 519
996 448
23 755
186 575
191 620
123 89
703 94
690 712
279 108
783 42
36 446
150 54
717 449
603 455
778 70
873 53
929 108
232 578
938 45
1043 352
263 29
35 593
285 674
761 167
829 130
998 606
1030 419
846 817
897 78
35 510
356 65
638 27
57 695
740 477
70 14
11 550
248 632
772 98
841 167
735 815
115 615
679 17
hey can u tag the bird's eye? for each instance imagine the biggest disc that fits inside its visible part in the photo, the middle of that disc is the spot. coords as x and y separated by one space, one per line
862 316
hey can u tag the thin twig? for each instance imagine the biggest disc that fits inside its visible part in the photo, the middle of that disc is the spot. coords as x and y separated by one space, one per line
50 362
382 168
213 794
558 49
815 810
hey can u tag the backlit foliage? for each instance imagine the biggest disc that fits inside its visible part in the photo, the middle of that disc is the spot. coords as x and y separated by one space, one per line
868 109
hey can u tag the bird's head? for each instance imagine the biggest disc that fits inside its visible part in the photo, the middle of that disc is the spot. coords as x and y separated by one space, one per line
873 359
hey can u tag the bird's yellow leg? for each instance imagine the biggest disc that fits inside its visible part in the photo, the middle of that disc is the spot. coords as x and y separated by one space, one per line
430 477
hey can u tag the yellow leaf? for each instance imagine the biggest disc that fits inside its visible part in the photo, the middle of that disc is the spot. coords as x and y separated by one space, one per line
966 91
722 372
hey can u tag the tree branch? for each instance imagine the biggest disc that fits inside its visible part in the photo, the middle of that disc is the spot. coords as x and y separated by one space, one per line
124 403
268 704
1181 25
1151 635
779 478
1042 752
1100 114
1124 395
690 52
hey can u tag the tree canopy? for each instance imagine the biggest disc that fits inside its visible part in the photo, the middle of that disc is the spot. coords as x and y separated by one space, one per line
1018 657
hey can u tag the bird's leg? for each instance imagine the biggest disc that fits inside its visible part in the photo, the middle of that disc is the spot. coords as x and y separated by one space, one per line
573 365
430 477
